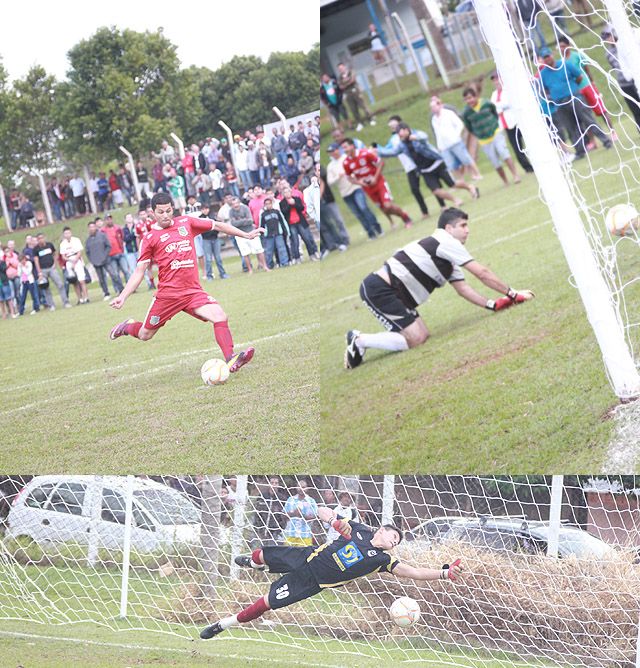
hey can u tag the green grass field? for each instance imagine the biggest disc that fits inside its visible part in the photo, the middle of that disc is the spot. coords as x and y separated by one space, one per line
40 646
521 390
80 402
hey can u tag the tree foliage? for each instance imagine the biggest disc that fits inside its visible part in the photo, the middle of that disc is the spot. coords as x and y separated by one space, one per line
126 88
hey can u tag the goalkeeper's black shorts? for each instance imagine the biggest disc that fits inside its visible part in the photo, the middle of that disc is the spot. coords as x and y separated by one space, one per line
385 304
293 587
283 559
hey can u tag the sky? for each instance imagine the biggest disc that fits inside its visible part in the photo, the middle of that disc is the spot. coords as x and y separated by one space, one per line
207 33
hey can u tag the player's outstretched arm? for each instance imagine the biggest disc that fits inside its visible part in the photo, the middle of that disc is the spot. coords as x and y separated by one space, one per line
447 572
132 285
229 229
487 277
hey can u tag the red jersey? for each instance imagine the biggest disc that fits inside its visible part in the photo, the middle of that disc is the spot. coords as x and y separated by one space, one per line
363 164
116 239
173 250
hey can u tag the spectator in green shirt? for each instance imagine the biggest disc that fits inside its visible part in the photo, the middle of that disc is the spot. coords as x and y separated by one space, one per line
480 117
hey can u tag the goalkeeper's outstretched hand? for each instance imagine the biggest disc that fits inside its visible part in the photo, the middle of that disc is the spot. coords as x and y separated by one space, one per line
452 572
342 527
513 297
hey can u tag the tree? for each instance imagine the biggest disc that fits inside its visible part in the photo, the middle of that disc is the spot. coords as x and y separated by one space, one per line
421 11
35 131
123 88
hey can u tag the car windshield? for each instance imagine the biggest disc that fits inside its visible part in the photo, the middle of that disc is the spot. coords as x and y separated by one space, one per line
167 507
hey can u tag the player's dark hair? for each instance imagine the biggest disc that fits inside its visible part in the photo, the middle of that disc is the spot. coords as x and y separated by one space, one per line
450 215
396 529
469 91
564 40
64 229
160 198
395 117
403 126
348 140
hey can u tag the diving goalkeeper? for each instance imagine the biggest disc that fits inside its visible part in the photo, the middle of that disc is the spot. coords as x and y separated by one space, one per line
408 278
359 551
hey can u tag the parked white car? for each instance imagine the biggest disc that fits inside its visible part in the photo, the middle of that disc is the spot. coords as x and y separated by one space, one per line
91 509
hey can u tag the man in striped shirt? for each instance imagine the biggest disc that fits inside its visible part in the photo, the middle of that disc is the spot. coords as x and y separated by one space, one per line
408 278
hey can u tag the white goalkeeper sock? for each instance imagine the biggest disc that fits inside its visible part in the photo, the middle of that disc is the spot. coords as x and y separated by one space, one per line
259 567
227 622
383 341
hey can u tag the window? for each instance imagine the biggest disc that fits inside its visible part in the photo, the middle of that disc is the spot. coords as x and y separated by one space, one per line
38 496
68 498
113 506
169 507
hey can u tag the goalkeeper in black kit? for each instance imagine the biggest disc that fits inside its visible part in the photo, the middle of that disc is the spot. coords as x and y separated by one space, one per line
359 551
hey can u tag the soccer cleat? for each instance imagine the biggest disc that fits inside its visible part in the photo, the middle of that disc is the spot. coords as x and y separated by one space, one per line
119 330
240 359
210 631
352 355
243 560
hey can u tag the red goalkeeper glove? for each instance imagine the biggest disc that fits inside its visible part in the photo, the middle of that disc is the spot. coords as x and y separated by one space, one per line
342 527
451 572
513 297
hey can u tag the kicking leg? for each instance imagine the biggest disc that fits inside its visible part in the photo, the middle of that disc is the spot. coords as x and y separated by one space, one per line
214 314
394 210
133 328
250 613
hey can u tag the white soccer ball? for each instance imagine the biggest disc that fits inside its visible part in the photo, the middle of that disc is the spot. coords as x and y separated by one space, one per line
622 219
214 372
404 612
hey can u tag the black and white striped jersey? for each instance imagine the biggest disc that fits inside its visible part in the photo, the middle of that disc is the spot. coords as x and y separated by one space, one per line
422 266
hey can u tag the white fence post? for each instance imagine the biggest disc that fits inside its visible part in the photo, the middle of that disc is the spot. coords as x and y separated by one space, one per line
92 200
180 144
283 118
555 512
134 175
543 155
418 65
5 211
126 548
239 518
45 198
94 518
232 150
388 499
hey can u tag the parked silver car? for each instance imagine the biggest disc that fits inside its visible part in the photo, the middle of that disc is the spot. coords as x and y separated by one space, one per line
91 509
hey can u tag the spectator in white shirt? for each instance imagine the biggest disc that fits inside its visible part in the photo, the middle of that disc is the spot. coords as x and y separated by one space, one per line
447 129
71 250
78 189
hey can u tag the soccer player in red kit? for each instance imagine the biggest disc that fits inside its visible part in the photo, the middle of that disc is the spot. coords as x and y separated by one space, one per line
170 245
364 168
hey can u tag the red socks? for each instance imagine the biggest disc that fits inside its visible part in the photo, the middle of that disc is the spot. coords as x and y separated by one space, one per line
253 611
255 557
133 328
224 338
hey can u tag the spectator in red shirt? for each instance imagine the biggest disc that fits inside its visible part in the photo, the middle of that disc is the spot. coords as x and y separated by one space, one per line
117 258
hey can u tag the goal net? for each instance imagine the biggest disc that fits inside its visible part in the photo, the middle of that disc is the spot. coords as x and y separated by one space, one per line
552 573
568 73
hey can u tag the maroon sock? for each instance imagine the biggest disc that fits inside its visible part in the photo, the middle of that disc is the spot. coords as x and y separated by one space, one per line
253 611
133 328
255 557
224 338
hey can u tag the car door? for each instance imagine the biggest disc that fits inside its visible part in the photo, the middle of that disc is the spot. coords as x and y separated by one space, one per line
112 523
63 518
25 519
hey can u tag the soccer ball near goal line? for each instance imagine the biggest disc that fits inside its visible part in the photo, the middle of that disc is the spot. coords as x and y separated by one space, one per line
404 612
214 372
622 219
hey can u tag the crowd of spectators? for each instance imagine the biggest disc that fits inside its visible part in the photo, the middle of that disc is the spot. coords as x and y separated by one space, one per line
277 186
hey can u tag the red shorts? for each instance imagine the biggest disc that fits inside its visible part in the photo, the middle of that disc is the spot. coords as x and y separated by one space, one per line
162 309
593 98
379 192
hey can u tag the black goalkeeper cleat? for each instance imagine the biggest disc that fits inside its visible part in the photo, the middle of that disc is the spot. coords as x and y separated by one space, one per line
244 560
352 355
211 631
